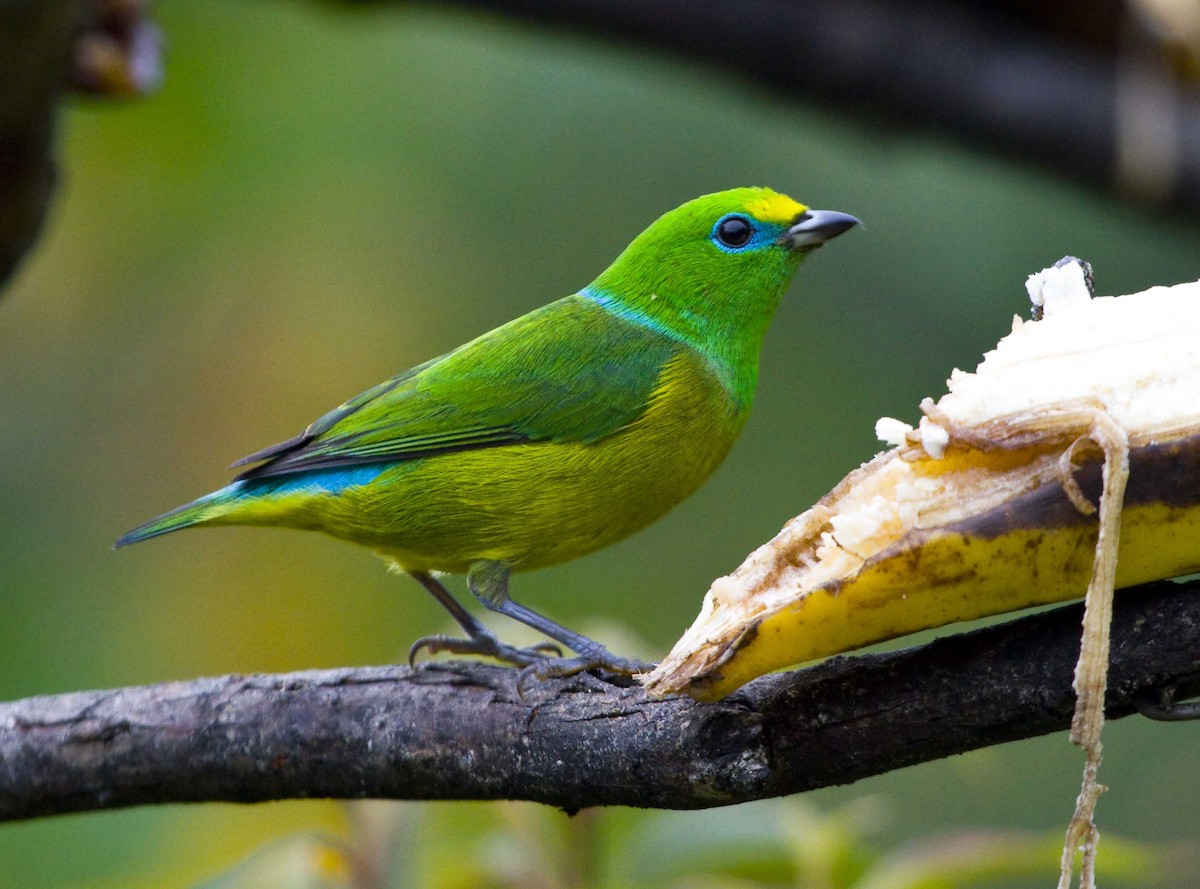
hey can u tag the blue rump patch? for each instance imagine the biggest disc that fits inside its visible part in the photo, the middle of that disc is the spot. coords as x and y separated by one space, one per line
329 481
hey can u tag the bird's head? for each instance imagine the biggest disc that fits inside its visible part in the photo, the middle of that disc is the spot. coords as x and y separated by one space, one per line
717 266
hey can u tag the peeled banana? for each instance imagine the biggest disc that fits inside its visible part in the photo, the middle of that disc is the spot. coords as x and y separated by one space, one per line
988 506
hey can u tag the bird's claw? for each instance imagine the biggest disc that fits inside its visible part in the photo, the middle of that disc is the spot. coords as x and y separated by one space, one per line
486 646
613 669
1160 704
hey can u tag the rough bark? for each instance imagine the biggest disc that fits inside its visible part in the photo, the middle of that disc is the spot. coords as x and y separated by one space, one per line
460 731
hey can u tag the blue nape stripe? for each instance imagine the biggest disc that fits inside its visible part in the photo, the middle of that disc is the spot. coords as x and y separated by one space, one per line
612 304
316 481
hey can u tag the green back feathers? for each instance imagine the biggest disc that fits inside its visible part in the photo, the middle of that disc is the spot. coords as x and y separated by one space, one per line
569 371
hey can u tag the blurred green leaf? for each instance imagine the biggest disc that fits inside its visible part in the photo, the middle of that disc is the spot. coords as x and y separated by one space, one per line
306 861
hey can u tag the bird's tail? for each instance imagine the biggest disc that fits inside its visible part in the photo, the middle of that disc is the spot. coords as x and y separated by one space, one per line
208 508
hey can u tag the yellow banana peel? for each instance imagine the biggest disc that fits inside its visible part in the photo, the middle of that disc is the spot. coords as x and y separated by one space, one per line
988 506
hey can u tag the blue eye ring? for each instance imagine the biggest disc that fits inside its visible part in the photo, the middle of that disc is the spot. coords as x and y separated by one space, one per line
733 232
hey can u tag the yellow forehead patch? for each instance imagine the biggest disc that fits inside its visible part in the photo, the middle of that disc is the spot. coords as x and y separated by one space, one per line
774 207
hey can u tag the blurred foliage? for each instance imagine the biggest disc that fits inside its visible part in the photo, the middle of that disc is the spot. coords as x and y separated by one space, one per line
783 844
301 861
318 199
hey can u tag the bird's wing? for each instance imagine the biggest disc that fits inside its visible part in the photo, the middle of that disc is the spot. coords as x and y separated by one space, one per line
571 371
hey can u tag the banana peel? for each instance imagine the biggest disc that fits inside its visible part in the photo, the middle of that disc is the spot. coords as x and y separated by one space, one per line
1066 465
989 505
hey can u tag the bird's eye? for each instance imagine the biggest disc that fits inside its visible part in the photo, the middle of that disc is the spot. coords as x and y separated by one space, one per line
734 231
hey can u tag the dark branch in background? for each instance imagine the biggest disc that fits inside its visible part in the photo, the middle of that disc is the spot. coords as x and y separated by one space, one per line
459 731
1083 88
47 47
36 38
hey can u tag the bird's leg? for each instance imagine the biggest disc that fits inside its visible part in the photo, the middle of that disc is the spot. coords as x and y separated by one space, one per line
489 582
479 639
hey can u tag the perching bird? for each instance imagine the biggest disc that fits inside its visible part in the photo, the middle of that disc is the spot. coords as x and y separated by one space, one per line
553 435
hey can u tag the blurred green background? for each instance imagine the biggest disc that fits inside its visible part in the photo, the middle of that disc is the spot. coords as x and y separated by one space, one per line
319 198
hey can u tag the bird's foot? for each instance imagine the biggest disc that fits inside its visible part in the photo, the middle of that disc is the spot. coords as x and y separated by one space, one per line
613 669
487 645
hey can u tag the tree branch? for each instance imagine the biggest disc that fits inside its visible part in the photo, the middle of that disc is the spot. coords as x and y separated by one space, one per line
459 731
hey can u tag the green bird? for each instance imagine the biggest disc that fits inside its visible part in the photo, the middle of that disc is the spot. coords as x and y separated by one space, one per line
553 435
